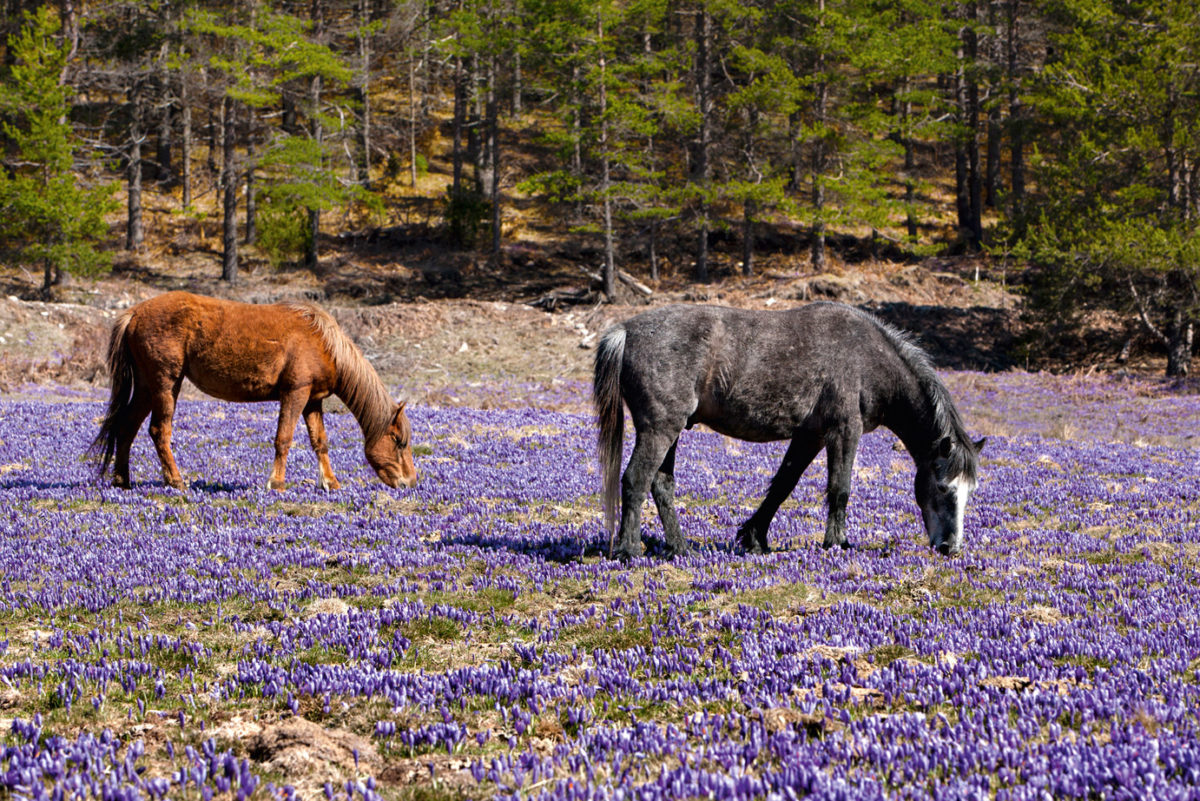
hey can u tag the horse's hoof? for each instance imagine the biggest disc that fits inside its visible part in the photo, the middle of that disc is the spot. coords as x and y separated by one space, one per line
752 542
843 544
331 484
625 553
272 484
675 549
121 483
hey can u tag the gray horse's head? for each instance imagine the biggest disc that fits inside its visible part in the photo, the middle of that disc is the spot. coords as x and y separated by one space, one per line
945 480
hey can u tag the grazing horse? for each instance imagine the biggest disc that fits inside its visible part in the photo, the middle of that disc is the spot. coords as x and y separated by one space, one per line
294 353
820 375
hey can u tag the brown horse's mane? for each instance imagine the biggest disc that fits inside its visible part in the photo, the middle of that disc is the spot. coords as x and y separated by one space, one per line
359 386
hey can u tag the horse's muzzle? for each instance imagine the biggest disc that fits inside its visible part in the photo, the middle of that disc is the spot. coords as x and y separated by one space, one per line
395 480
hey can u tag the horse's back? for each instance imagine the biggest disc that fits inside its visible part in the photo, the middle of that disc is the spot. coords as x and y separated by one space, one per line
751 374
232 350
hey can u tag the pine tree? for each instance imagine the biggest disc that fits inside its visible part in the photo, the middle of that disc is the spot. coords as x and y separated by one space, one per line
765 97
46 216
1117 200
264 63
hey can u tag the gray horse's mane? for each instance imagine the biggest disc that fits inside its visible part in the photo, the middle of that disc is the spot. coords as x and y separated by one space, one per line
359 386
963 459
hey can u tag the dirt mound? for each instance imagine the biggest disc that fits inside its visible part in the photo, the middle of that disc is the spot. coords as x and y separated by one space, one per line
309 754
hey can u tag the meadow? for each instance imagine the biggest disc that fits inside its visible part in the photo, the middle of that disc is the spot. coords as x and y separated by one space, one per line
469 639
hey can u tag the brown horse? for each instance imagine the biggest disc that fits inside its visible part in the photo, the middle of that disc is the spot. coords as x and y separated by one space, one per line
294 353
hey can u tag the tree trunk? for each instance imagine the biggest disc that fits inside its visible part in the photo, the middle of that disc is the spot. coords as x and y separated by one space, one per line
795 153
1174 164
1178 334
364 94
314 213
910 166
817 166
962 197
251 186
287 120
475 116
163 168
702 169
412 122
991 186
576 124
185 144
460 102
1179 346
1015 114
653 248
229 185
968 180
749 206
975 175
610 288
215 126
995 128
68 12
517 88
317 15
493 146
134 232
748 238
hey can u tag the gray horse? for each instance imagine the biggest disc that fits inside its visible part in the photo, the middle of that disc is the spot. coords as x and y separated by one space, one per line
821 376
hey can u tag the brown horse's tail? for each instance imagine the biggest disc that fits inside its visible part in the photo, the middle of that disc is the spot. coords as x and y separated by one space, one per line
610 415
120 368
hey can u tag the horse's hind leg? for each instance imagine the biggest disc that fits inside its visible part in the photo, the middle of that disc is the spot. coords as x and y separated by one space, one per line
290 406
314 420
840 446
127 428
649 451
752 535
162 412
663 491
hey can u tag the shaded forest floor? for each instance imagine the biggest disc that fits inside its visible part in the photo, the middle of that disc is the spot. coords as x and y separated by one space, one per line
512 323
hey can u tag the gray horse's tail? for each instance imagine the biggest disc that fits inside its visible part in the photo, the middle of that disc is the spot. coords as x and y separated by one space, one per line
120 368
610 415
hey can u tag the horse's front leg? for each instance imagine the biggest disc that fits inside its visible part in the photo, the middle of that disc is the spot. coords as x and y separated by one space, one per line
662 489
648 454
290 406
840 447
752 535
314 420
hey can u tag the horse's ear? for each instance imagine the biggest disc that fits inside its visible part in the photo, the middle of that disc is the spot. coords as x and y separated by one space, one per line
943 447
979 444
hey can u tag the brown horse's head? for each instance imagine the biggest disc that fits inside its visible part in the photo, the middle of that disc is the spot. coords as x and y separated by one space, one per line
391 455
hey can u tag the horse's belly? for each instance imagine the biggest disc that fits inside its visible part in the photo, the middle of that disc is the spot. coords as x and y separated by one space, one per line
749 427
746 418
235 389
246 382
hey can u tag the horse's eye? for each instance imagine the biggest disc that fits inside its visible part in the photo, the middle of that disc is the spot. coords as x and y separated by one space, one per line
943 488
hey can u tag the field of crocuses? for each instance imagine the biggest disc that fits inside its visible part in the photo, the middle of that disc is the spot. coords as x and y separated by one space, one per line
467 638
